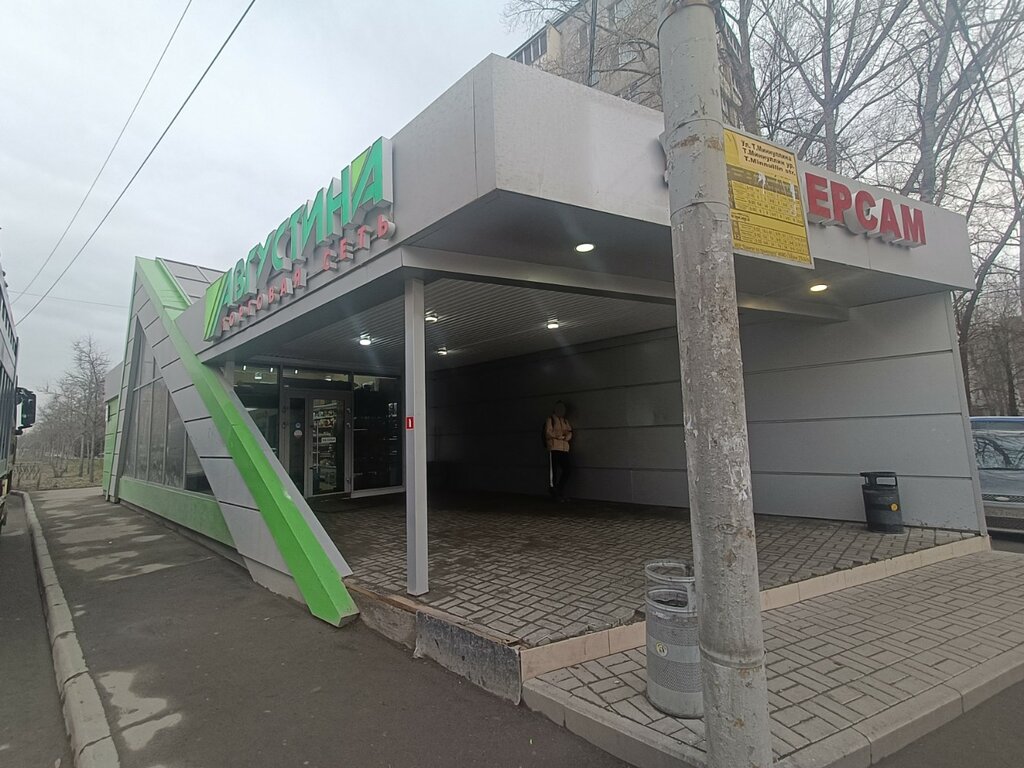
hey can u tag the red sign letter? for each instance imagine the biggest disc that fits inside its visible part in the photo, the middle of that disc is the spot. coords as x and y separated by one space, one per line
817 198
890 228
913 226
862 220
385 227
842 200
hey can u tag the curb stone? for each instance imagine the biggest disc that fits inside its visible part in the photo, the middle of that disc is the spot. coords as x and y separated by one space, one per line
616 735
86 721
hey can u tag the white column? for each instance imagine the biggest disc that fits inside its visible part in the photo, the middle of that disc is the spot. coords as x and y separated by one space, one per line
415 441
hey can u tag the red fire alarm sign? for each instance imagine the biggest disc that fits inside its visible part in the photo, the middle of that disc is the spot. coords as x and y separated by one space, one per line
409 422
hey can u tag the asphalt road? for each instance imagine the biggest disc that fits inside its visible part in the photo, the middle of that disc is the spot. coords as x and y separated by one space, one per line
198 666
31 725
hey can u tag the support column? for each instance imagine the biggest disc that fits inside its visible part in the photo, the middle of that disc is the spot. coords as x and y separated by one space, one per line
415 441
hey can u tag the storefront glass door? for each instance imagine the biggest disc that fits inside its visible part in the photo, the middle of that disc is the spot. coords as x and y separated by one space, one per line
327 438
319 440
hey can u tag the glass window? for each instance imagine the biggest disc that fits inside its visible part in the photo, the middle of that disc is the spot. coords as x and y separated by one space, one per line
145 396
257 388
158 432
174 464
376 432
256 375
999 450
147 362
130 436
314 379
195 477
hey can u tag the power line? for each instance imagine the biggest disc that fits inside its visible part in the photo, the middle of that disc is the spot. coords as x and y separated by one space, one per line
110 153
77 301
143 164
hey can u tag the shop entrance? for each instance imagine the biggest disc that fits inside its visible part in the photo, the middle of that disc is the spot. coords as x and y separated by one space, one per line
335 432
318 440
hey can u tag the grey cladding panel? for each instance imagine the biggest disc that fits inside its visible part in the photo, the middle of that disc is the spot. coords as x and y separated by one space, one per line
660 488
163 347
931 501
189 404
194 289
601 148
602 484
175 376
912 445
435 160
822 408
147 315
252 537
227 483
206 439
905 327
183 271
890 387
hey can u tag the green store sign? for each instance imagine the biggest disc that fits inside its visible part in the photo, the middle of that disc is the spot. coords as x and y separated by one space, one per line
322 235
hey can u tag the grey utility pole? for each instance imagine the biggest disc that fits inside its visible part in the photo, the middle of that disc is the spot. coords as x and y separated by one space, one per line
736 717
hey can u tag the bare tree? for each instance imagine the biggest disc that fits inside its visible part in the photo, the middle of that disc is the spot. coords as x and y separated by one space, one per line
625 47
71 423
923 97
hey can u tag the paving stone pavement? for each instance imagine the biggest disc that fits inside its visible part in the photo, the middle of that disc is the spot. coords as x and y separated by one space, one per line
836 660
539 572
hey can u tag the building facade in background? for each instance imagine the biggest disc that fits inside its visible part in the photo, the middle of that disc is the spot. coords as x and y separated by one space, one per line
625 61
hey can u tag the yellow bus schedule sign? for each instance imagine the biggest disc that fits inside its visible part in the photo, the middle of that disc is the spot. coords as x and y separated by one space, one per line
764 200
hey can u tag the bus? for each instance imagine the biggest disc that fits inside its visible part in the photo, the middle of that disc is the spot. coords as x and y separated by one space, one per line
13 399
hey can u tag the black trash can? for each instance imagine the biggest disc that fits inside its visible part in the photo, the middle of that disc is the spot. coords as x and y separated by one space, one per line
882 502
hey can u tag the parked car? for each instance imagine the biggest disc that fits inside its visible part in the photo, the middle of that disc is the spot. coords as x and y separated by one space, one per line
999 449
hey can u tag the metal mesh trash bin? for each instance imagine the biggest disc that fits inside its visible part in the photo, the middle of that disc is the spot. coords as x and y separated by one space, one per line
673 652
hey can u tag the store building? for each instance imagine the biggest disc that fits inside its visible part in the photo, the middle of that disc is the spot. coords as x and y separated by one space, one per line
409 327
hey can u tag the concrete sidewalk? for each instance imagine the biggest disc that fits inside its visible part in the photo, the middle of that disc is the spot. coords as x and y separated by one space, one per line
853 676
198 666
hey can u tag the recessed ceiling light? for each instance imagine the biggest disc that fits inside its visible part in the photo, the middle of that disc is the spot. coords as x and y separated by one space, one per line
430 317
365 340
442 351
552 324
819 287
585 247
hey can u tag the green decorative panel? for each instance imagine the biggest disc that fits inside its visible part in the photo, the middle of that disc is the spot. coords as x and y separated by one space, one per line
311 568
195 511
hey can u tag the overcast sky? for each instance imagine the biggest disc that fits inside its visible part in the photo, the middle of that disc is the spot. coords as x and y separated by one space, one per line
300 90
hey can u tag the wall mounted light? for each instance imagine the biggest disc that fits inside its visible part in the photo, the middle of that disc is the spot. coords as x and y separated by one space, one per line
430 317
819 287
365 340
585 247
552 324
442 351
